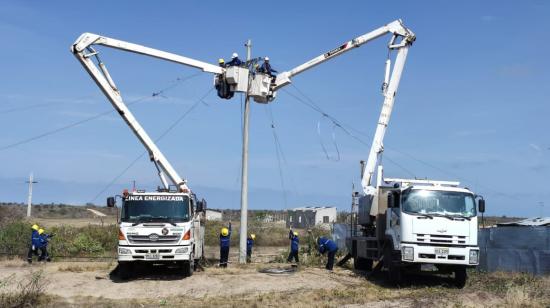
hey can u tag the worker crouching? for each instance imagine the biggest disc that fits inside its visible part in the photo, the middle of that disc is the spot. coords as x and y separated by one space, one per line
327 245
225 242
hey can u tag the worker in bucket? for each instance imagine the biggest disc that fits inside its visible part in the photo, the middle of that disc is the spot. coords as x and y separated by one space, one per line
249 245
267 69
221 63
327 245
235 61
294 246
35 243
44 240
225 242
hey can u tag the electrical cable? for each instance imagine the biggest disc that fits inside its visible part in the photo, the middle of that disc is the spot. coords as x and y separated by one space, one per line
279 154
347 128
96 116
166 131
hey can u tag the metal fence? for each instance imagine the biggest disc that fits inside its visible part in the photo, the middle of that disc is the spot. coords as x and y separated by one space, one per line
515 249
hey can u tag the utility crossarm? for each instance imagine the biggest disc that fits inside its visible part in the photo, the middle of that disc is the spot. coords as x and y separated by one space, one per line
402 38
83 51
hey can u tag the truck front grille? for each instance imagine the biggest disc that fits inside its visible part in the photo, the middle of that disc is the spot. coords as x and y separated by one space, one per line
155 240
441 239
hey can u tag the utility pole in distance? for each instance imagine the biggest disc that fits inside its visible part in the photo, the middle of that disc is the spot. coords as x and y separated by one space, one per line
30 181
244 174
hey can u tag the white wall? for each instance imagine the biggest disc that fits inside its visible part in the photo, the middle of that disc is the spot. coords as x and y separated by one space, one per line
320 213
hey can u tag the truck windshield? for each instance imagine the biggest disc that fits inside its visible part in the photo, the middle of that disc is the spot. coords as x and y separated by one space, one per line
446 203
149 208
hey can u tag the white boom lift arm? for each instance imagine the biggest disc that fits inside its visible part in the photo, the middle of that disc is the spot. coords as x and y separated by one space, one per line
402 38
83 51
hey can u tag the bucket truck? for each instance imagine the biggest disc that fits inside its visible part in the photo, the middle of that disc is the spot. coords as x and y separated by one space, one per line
163 226
403 224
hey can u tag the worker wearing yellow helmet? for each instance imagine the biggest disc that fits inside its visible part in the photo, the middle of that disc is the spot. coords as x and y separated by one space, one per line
225 242
221 62
294 246
43 246
249 246
35 243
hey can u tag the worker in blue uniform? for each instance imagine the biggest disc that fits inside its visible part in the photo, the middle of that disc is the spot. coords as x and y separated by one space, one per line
225 242
294 246
35 243
267 69
235 61
327 245
44 240
249 245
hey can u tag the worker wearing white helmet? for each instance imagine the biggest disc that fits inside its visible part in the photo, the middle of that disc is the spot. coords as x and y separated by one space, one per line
266 68
235 61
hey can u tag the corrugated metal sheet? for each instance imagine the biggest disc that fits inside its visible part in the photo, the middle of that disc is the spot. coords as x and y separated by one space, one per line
515 249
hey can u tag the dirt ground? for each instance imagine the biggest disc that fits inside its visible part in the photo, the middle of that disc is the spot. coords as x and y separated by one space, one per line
96 284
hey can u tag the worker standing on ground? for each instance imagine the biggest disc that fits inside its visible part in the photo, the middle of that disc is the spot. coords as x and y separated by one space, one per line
44 239
35 243
235 61
327 245
249 244
225 242
294 245
267 69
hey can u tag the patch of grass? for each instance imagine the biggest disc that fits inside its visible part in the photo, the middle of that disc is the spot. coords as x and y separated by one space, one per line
69 241
26 292
79 268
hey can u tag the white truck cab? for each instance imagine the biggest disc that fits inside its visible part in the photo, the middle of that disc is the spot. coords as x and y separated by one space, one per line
160 227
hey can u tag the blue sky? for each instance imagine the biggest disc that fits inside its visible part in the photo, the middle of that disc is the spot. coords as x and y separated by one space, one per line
472 103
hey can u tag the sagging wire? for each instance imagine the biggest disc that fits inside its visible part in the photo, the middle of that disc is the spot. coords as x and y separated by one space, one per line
279 154
96 116
164 133
311 104
333 141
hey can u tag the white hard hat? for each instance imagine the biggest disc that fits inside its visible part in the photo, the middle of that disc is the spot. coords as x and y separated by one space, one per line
234 55
266 58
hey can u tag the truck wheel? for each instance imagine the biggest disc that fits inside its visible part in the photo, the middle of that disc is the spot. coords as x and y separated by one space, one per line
124 270
187 268
391 262
362 264
460 277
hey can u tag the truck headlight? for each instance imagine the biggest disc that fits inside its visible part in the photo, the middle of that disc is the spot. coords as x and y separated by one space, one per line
124 251
474 256
408 253
182 250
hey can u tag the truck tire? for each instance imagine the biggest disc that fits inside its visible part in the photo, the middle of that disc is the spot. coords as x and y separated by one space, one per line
460 277
125 270
362 264
187 268
391 262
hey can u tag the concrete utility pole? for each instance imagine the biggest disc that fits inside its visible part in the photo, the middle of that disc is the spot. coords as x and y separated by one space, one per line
244 174
30 181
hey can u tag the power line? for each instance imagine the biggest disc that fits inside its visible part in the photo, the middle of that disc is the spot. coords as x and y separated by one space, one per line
176 82
279 154
166 131
347 128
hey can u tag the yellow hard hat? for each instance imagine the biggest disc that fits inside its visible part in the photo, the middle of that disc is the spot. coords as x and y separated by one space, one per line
295 233
221 61
35 227
225 231
253 236
40 231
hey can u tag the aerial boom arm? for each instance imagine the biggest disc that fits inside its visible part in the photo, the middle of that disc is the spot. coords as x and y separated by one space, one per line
84 52
396 28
